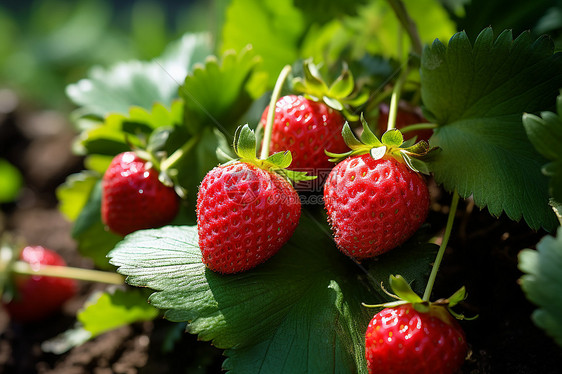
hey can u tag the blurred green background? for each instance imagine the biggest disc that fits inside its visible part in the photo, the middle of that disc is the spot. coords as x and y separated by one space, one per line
47 44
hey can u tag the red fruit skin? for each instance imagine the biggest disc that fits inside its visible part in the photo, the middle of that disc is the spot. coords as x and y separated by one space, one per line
37 297
403 340
407 115
306 128
133 198
374 205
244 216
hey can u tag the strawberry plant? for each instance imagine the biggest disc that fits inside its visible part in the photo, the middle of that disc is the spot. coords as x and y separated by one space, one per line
276 272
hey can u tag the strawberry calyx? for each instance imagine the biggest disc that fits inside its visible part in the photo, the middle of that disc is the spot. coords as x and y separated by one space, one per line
245 147
340 95
391 143
404 294
153 153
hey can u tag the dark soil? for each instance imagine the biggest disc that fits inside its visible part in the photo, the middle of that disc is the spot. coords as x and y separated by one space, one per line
482 256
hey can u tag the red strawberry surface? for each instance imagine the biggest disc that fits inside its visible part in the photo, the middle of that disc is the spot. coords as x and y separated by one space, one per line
306 128
406 115
374 205
403 340
244 216
133 198
38 297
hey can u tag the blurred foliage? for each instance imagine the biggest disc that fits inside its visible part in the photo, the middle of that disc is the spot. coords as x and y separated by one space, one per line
47 44
10 181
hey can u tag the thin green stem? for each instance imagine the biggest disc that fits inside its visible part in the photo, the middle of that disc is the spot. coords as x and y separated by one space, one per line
395 98
21 267
408 23
418 126
441 252
179 153
271 113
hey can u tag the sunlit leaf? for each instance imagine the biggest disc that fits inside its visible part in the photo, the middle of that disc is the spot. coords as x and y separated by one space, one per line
477 95
106 311
136 83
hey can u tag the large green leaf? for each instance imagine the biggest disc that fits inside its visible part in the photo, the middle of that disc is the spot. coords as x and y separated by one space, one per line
218 92
272 27
542 283
545 132
477 95
304 300
118 131
300 312
136 83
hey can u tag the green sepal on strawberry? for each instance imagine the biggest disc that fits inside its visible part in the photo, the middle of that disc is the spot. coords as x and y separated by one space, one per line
411 335
247 209
341 95
375 197
310 121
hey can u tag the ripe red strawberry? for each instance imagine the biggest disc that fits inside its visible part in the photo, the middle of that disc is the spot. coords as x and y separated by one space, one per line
374 205
374 200
38 297
406 115
308 124
404 340
133 198
306 128
244 216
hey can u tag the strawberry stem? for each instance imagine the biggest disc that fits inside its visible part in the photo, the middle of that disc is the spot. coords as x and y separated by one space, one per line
418 126
408 24
22 267
441 252
271 113
179 153
395 98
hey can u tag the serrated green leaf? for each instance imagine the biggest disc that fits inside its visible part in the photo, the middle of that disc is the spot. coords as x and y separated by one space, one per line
309 289
545 133
306 300
109 310
542 283
217 93
118 132
477 95
135 83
